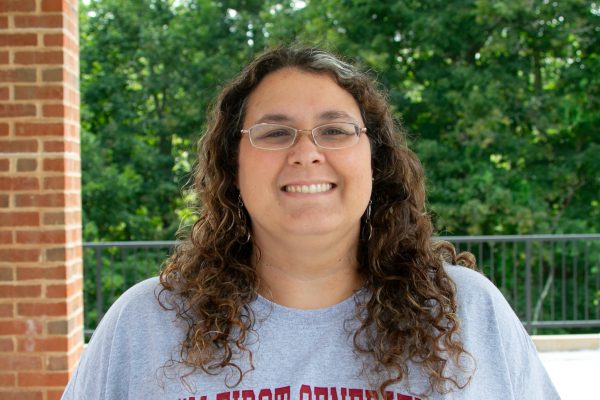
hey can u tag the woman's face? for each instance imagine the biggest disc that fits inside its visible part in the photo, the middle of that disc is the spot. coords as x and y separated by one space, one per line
304 189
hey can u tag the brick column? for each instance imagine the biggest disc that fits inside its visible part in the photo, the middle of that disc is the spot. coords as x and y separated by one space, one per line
41 309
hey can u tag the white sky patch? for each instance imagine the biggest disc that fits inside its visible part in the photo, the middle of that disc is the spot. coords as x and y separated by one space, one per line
231 13
298 4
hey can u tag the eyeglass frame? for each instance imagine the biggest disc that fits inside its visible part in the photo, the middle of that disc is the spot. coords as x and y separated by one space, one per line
358 132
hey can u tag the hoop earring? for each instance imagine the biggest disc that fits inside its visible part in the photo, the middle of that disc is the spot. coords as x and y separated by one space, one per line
244 231
367 228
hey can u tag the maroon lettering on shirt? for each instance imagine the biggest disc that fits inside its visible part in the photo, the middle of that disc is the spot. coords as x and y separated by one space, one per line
306 392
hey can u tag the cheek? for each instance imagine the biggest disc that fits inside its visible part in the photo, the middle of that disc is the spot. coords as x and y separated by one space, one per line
256 173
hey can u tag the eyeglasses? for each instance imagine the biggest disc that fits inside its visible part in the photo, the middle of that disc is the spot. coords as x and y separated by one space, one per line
336 135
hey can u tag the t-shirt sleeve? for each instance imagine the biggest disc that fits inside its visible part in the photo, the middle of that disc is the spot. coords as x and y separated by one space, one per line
108 361
504 353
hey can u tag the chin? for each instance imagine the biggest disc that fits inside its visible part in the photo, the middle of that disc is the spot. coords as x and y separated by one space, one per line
318 227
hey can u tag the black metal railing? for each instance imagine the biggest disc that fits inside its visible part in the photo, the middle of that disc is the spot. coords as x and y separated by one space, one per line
551 281
110 268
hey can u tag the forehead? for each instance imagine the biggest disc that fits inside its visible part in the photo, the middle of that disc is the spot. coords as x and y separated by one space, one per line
290 94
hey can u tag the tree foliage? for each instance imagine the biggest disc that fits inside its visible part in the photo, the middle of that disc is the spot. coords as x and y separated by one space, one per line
500 98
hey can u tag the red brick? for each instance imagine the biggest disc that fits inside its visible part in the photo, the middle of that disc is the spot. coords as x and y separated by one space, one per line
4 166
6 345
4 57
20 255
55 164
41 200
3 129
21 362
55 110
6 274
3 22
4 199
16 110
62 183
32 273
20 291
39 92
48 200
59 343
18 146
54 75
21 327
55 218
58 254
15 184
39 129
54 394
63 291
39 57
26 165
39 21
6 310
42 379
4 93
62 218
55 39
61 164
61 146
54 5
18 39
17 5
7 379
18 75
57 363
5 238
21 395
42 309
38 237
16 218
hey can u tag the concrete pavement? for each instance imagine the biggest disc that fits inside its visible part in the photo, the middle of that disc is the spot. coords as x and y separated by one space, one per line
576 374
573 363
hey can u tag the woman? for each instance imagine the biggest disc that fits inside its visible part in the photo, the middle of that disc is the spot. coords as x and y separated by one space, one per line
311 273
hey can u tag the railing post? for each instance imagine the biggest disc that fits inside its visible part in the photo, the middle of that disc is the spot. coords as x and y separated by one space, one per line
528 286
99 295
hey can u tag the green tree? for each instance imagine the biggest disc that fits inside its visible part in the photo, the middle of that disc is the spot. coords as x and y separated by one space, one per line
149 71
500 99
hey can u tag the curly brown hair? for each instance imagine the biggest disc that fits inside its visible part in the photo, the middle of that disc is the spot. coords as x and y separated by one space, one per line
411 313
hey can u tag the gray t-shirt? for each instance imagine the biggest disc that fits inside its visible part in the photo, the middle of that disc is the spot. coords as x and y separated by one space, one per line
299 354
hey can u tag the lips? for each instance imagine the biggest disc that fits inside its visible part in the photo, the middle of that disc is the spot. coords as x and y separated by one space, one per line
312 188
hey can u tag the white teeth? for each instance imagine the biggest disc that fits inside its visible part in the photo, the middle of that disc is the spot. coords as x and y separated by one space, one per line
314 188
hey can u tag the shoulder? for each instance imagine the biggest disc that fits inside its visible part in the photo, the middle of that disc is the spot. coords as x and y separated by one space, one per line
506 359
140 299
143 311
136 334
472 285
483 310
142 293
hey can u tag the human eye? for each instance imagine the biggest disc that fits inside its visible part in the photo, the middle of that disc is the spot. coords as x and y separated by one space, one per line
272 136
336 130
277 133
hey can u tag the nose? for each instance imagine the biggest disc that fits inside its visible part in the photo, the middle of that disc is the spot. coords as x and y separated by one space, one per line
304 151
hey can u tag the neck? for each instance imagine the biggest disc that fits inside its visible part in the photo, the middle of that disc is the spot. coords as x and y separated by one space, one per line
307 273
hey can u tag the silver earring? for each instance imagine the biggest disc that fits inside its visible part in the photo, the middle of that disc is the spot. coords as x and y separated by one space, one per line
244 231
367 229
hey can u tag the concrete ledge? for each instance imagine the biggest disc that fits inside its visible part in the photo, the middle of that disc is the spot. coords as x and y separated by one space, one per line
589 341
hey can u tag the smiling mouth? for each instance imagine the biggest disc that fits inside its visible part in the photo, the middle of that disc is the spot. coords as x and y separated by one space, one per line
314 188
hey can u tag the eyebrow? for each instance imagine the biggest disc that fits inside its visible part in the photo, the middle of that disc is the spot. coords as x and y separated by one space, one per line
324 116
273 118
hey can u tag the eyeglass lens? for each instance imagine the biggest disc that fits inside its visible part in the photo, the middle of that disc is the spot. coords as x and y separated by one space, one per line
331 136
